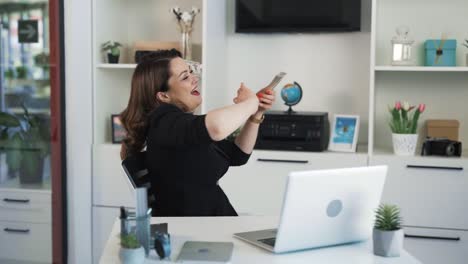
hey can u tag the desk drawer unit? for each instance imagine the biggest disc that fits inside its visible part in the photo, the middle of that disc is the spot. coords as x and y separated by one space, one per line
25 241
25 206
430 191
257 188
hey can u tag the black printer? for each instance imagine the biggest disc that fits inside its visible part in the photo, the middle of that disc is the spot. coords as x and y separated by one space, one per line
302 131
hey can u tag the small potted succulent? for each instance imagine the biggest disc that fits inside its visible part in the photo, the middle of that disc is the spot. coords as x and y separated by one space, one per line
131 251
388 235
112 48
466 45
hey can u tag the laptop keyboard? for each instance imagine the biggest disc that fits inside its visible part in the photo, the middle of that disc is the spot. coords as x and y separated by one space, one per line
268 241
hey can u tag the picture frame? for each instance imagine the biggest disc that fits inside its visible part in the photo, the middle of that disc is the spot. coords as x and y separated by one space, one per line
344 133
118 131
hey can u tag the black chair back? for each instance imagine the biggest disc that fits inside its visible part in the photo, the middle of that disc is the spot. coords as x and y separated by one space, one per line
137 173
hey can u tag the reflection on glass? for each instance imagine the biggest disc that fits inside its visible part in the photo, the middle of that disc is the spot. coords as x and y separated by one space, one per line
24 94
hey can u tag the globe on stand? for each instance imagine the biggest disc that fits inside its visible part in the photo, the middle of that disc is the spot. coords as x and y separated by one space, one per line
291 94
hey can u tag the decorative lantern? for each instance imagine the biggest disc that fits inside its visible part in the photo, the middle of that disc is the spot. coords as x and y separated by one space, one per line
401 48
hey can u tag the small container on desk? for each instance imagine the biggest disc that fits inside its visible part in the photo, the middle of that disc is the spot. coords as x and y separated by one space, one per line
131 224
440 52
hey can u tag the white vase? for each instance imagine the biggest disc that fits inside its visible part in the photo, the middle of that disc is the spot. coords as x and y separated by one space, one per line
404 144
132 255
388 243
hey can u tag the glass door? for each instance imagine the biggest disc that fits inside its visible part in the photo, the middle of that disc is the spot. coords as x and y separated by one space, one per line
32 152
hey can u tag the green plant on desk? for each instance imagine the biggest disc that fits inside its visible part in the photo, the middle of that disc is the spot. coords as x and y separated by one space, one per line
387 218
129 241
131 252
388 235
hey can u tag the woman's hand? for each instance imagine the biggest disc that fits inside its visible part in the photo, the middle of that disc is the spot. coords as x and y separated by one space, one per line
266 96
244 94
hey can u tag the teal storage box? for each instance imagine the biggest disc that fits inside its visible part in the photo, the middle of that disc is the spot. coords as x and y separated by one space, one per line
441 53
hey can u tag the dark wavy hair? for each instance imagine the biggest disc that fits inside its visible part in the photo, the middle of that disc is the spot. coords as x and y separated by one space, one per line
150 77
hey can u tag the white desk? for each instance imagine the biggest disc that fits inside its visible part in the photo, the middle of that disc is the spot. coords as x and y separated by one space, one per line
222 228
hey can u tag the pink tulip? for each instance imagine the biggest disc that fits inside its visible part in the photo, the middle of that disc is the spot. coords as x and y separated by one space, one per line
421 108
398 105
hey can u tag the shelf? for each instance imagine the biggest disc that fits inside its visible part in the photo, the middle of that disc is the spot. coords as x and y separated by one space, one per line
419 69
19 110
116 66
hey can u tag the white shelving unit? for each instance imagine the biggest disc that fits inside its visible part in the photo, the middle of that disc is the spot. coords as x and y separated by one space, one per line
129 21
429 190
116 66
442 89
419 69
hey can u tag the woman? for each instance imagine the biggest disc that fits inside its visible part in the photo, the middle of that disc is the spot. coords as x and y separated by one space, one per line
187 154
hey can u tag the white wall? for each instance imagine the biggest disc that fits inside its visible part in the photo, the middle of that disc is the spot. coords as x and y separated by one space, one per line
332 68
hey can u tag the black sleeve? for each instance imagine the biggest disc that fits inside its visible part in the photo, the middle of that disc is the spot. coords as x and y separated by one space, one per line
235 155
169 126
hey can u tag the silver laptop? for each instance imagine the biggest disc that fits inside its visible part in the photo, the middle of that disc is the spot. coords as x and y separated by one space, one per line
324 208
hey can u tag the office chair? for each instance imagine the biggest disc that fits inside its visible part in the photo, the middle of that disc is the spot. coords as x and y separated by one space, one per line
137 173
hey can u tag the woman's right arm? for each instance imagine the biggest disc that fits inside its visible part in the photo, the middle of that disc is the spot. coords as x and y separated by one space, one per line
221 122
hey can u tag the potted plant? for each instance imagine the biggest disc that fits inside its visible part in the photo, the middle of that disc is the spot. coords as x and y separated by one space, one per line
387 234
9 76
26 141
466 45
113 51
131 251
9 73
404 126
42 60
21 72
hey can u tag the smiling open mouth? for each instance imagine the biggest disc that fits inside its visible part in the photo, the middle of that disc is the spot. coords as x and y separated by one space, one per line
195 92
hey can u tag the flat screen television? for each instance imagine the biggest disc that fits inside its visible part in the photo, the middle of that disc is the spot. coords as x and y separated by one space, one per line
298 15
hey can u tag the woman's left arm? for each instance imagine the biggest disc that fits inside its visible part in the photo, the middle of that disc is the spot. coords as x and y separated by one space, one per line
248 135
